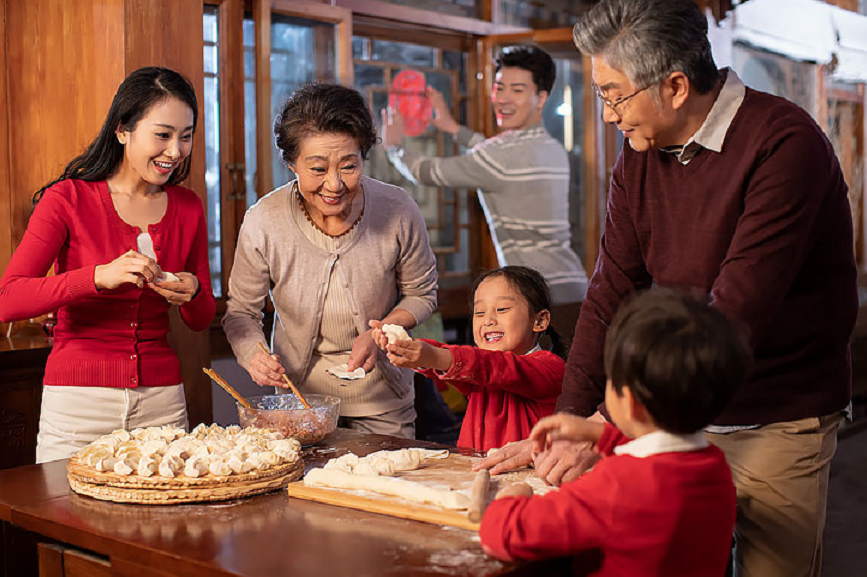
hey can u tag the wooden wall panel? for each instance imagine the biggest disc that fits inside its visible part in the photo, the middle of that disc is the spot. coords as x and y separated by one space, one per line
169 33
5 197
50 48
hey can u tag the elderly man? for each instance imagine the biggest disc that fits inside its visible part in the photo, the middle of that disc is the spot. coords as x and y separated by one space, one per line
737 194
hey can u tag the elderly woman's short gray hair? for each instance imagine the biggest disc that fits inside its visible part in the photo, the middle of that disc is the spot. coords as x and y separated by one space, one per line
323 109
649 39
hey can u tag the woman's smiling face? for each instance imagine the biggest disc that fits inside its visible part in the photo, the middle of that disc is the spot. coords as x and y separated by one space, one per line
329 168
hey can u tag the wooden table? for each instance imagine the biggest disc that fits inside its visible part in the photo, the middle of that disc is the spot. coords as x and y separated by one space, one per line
265 536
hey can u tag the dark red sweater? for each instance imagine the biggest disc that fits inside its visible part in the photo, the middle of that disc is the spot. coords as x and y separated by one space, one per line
508 393
109 338
763 227
665 515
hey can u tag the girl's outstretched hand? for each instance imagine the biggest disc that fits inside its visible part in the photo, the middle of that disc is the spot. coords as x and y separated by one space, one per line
564 427
418 354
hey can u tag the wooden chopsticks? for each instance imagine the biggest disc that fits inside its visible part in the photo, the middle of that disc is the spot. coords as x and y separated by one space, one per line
288 382
226 387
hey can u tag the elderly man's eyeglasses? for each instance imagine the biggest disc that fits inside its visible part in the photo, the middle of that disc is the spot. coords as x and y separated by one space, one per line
614 104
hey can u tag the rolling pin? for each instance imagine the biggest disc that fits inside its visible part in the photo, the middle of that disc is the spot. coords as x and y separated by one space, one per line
480 496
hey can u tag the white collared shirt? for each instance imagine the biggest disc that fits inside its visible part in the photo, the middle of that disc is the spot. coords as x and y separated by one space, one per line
662 442
711 134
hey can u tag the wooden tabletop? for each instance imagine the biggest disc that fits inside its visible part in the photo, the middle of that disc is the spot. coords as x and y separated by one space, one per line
264 536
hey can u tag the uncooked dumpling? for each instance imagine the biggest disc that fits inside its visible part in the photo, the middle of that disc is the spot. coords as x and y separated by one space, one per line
395 333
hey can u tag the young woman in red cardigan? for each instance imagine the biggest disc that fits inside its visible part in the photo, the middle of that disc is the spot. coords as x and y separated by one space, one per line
510 381
126 243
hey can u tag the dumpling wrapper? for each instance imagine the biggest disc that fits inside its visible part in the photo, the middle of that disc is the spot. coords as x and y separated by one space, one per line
395 333
409 490
169 277
341 371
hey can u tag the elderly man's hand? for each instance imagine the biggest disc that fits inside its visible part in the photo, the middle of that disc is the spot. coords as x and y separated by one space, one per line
512 456
565 461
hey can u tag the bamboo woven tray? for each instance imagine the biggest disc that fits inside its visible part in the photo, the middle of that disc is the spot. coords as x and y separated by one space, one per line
83 474
221 488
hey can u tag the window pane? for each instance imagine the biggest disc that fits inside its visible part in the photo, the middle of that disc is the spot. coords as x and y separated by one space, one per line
302 51
250 108
366 75
211 115
210 58
210 24
536 15
467 8
402 53
564 120
359 48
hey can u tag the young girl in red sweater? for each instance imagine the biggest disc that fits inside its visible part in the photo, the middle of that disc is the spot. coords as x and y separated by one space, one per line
112 225
510 381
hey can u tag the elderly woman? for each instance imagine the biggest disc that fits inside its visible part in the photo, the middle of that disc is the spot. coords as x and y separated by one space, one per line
339 253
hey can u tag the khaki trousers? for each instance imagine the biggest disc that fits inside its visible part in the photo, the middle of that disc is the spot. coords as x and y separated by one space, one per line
781 474
72 417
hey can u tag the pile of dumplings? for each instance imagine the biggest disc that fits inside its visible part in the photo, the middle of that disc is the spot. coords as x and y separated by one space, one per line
207 450
384 463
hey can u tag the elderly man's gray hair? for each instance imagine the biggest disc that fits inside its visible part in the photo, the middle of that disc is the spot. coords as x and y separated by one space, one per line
649 39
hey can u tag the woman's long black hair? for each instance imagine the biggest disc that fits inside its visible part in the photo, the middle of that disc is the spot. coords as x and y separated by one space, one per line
534 288
134 98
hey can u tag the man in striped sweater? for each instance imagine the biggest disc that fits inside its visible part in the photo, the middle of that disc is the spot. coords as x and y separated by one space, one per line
522 175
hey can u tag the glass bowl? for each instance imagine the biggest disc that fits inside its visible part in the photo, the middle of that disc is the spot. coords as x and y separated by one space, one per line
286 414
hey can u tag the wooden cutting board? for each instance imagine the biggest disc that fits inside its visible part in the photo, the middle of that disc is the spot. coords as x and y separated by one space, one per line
454 473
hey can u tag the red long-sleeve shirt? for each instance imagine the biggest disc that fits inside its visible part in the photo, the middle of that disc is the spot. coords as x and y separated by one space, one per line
108 338
508 393
669 514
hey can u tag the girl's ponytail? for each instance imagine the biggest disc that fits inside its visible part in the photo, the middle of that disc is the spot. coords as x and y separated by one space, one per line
558 344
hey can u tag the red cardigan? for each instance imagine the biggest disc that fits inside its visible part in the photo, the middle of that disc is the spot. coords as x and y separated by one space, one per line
108 338
508 393
669 514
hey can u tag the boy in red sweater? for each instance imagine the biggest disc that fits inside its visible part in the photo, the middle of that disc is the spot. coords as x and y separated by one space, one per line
510 381
661 499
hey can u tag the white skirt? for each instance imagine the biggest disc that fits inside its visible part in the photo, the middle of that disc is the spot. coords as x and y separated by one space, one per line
72 417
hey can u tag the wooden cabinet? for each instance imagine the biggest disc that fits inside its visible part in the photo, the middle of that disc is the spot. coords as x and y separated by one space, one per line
22 363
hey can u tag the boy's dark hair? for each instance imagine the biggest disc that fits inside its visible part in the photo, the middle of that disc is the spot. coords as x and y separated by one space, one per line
323 109
682 359
535 60
534 288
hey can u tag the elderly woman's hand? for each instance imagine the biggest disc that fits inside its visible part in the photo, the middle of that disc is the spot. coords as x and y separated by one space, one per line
267 371
363 352
379 338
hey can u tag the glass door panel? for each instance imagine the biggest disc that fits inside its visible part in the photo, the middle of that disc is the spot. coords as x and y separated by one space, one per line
446 211
302 51
211 124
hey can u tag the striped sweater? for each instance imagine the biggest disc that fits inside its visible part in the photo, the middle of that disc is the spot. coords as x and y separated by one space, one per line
523 182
